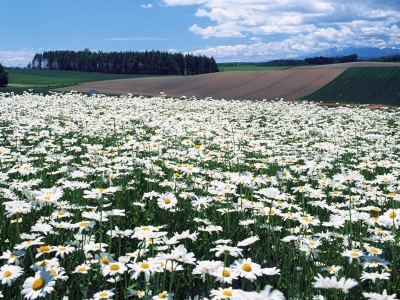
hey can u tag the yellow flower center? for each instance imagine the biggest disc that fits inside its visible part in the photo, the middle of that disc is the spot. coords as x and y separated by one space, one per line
392 194
83 224
101 190
114 267
374 250
374 261
105 261
7 274
227 293
44 248
38 284
81 269
162 295
392 215
144 265
197 147
60 213
331 269
354 254
312 243
13 255
167 201
103 294
246 267
226 273
53 272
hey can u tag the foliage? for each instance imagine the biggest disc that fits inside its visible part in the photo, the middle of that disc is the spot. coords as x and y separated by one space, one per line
131 196
3 76
389 58
323 60
362 85
141 63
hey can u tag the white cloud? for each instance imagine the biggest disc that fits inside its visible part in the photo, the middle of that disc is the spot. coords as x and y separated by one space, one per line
298 45
146 5
305 26
137 39
18 58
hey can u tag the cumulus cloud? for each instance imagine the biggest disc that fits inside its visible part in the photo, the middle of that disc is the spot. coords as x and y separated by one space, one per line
146 5
305 25
17 58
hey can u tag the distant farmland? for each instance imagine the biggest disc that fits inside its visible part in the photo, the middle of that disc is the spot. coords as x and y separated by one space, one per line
291 84
362 85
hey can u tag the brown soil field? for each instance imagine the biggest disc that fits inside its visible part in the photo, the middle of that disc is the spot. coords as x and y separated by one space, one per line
289 84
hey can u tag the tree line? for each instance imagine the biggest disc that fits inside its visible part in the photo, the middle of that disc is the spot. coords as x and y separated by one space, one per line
389 58
142 63
322 60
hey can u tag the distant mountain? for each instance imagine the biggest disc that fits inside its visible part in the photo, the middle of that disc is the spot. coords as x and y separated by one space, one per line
362 53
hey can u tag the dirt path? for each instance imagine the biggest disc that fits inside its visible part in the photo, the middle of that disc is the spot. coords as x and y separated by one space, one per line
289 84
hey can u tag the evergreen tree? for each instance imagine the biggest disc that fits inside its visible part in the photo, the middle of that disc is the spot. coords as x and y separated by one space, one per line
3 76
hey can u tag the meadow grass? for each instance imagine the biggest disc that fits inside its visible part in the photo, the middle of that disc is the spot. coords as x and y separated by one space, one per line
43 81
164 198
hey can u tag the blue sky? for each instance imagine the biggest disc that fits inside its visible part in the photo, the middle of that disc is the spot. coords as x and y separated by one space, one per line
228 30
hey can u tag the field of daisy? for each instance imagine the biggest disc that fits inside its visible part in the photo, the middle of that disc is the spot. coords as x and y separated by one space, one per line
165 198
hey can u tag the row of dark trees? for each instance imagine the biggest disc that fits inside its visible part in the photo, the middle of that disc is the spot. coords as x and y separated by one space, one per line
322 60
143 63
390 58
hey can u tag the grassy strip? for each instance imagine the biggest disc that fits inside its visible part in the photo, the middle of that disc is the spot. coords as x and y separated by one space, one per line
362 85
43 81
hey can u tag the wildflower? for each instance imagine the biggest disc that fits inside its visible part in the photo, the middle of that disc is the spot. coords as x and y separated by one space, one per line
225 249
224 293
42 250
82 269
12 257
9 273
271 271
224 274
331 283
332 269
99 192
374 261
206 267
352 254
113 268
147 267
63 250
38 286
248 241
180 254
246 268
266 294
167 201
163 295
373 276
383 296
106 294
58 272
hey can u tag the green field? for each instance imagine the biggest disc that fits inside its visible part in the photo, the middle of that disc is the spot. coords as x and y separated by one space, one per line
362 85
42 81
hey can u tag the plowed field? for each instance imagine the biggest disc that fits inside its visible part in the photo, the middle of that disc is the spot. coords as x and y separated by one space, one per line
289 84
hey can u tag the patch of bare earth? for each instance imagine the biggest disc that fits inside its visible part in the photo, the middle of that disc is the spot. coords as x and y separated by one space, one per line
289 84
